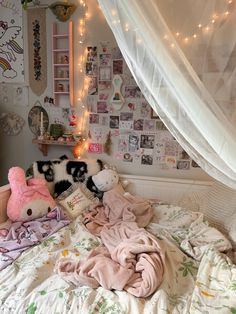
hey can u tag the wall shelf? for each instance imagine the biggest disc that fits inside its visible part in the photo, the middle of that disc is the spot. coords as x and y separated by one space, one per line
43 144
62 64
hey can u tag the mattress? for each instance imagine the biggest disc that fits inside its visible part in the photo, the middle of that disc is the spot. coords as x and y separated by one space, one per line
197 278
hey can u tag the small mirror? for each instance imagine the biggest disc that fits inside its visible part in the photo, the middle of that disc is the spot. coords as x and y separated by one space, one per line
117 100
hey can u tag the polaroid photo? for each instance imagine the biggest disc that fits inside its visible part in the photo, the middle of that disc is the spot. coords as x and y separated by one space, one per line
102 107
94 118
92 54
103 96
95 69
183 164
104 73
114 122
105 59
122 145
93 86
89 68
147 141
146 160
138 125
149 125
145 110
154 115
132 92
105 46
171 148
92 103
126 125
104 85
133 143
116 53
117 67
126 116
104 120
182 154
160 126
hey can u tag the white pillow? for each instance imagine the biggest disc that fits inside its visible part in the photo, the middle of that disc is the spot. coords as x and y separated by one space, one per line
219 205
78 200
193 201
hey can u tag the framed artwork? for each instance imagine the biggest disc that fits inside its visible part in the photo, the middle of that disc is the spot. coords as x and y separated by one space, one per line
154 115
34 117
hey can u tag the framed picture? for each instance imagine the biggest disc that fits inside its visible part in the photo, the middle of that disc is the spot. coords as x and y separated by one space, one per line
154 115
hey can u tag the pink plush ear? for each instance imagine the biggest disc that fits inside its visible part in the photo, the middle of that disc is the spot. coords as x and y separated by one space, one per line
16 178
34 181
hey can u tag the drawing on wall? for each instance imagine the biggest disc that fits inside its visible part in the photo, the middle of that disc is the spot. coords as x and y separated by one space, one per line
11 42
11 123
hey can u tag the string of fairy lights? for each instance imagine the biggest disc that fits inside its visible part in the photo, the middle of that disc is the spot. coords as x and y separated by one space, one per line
200 28
82 93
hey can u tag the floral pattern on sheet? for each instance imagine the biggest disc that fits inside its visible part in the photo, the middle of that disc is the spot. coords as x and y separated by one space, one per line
208 286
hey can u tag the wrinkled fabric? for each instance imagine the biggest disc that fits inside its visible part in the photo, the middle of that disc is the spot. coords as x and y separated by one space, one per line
19 236
131 259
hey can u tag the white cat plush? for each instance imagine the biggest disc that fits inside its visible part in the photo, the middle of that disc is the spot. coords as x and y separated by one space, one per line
108 179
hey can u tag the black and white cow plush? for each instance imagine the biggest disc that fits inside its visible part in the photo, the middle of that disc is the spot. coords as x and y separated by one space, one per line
61 173
44 170
68 172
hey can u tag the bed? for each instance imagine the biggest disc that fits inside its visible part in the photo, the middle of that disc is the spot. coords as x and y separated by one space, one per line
190 284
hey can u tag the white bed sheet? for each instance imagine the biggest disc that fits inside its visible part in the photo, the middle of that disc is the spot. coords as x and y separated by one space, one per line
30 285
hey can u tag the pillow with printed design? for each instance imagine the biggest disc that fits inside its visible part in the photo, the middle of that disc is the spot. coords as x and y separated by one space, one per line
77 201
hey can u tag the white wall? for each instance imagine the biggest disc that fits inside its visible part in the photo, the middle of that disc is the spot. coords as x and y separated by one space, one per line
20 151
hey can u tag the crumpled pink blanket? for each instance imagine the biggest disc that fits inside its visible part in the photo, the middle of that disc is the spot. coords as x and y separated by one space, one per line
131 259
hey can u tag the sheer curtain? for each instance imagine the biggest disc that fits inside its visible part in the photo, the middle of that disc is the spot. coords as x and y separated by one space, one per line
182 55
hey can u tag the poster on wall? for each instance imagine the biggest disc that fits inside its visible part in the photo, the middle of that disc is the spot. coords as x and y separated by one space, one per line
11 42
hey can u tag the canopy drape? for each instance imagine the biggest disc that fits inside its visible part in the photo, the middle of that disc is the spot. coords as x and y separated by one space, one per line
182 55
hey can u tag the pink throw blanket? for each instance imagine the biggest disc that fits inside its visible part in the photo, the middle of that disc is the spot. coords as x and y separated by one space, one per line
131 258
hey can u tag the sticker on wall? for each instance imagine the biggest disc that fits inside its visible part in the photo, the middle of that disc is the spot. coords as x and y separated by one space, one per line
11 123
127 157
95 148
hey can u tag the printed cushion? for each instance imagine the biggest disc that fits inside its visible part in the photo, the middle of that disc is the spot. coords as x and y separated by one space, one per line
219 205
78 200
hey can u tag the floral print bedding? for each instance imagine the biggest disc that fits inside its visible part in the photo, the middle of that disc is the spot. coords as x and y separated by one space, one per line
197 279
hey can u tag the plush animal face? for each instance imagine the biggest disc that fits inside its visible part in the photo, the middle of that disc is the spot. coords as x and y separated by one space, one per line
28 200
33 209
106 180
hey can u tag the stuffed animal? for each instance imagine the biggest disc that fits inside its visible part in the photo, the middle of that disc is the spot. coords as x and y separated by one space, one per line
108 179
27 201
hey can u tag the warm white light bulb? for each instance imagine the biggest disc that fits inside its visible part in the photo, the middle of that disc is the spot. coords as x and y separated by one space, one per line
199 25
177 34
194 35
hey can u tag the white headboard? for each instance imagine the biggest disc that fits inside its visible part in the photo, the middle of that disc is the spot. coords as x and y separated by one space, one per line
165 189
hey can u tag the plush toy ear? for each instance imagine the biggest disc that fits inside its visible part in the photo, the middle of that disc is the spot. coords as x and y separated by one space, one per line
34 181
16 178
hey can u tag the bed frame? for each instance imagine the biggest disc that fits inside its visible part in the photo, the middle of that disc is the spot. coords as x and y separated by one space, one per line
165 189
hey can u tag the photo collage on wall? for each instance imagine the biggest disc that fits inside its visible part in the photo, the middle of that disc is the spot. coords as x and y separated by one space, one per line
137 133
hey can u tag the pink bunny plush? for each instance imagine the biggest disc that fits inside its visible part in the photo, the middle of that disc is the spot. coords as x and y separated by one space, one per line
27 201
